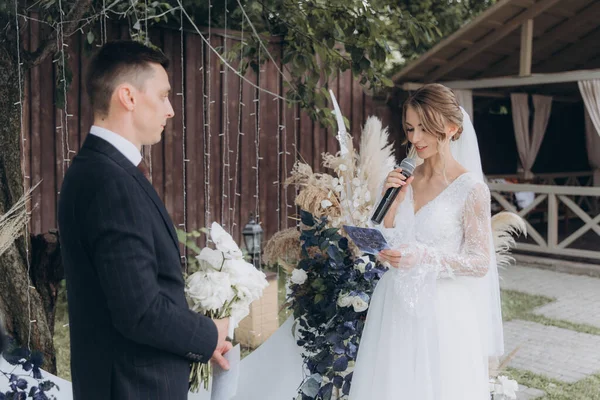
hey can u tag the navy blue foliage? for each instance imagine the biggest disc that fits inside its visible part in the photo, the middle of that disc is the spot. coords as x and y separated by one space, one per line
328 333
19 387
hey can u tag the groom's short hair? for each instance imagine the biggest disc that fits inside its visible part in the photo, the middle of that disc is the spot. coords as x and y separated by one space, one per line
117 62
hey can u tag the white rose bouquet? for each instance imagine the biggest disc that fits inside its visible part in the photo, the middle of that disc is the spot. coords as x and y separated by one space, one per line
224 286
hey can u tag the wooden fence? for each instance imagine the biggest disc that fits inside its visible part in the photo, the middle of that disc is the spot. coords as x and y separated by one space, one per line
224 154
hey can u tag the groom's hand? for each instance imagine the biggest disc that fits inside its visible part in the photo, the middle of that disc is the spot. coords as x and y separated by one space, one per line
222 328
223 346
218 358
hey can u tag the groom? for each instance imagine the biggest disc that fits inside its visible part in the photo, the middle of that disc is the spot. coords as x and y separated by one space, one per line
132 334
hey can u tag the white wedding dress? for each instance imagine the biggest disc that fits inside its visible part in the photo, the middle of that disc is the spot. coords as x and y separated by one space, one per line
425 337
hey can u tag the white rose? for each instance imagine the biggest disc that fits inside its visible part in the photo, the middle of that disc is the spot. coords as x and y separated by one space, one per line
359 304
236 269
210 258
362 264
326 203
299 276
224 242
249 281
360 267
243 293
209 290
344 301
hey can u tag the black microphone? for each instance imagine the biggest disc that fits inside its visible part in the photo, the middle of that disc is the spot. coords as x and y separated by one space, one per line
408 166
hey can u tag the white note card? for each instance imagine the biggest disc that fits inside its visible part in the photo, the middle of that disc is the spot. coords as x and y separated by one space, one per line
225 383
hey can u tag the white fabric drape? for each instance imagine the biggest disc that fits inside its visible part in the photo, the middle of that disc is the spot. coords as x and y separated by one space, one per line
520 116
592 139
590 91
465 99
528 145
542 106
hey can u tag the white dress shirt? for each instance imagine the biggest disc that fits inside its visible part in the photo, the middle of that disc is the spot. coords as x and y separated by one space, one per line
128 149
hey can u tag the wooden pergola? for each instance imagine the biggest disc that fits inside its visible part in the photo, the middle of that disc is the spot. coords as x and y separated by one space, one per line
547 45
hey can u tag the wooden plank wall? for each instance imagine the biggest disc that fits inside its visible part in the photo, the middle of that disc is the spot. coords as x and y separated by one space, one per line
228 124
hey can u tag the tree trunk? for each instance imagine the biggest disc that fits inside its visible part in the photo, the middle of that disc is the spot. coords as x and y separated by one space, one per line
19 303
47 271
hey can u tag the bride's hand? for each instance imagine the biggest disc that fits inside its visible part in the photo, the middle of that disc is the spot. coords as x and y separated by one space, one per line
401 258
396 179
390 257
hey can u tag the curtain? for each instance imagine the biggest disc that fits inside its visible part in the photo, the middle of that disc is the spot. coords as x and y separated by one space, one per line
520 116
528 145
592 140
465 99
590 91
541 106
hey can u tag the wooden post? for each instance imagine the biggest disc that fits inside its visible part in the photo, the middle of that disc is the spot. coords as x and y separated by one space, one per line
526 48
552 221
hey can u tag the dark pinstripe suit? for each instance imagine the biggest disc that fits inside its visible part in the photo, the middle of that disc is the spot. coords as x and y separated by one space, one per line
132 334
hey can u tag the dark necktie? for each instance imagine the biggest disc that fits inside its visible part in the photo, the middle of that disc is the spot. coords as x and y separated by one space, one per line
143 167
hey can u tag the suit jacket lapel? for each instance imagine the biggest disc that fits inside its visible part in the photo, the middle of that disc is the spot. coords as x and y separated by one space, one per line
95 143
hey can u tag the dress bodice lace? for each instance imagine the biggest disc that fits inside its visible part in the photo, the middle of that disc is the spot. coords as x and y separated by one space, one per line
451 234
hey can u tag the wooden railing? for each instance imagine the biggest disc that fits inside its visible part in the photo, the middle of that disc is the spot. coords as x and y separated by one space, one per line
576 178
581 202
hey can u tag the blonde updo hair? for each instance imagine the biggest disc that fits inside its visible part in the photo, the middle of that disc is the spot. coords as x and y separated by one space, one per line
436 105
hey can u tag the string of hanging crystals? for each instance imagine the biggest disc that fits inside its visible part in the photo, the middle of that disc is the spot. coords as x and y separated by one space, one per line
183 140
226 161
64 115
207 121
281 125
27 178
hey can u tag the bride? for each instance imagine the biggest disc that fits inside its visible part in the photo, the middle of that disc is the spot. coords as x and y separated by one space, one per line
434 319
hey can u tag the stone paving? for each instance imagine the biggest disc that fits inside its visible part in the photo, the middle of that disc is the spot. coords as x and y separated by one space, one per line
554 352
526 393
562 354
577 297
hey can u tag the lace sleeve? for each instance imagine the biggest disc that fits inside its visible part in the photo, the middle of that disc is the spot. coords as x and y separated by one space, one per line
474 257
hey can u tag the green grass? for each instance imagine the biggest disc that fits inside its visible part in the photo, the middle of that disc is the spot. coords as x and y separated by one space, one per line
584 389
518 305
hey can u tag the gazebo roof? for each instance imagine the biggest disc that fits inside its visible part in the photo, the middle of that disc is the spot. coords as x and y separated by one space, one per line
565 37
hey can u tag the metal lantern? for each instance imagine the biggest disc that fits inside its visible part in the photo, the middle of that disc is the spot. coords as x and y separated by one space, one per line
253 237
